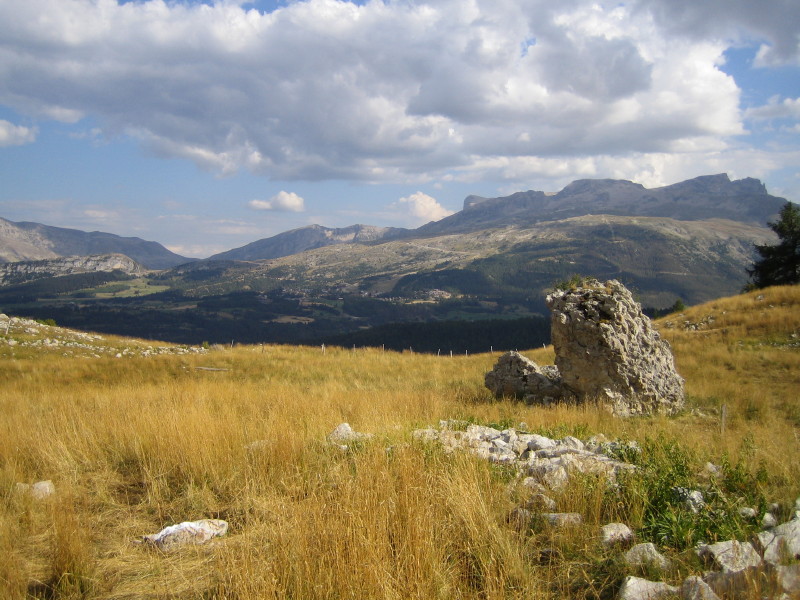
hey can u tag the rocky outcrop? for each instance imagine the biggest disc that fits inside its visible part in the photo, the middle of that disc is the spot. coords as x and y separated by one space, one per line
518 376
19 272
547 463
606 349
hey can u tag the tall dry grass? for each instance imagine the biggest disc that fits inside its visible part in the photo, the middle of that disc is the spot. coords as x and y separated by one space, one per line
137 444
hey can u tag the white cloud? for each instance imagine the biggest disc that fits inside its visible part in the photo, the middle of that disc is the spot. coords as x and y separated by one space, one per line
775 22
788 108
390 91
282 201
421 207
15 135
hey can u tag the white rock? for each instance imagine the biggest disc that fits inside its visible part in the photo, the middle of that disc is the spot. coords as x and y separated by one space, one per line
646 554
540 442
520 518
560 520
615 533
694 588
768 521
541 501
635 588
695 501
731 556
748 512
788 577
572 442
344 434
39 490
188 532
782 541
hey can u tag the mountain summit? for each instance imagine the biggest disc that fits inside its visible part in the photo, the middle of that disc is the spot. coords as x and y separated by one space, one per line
706 197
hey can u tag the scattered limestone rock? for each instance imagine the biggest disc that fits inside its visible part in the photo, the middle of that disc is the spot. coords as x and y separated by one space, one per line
694 588
39 490
563 520
606 349
731 556
788 578
635 588
550 463
344 435
748 512
734 584
780 542
188 532
768 521
645 554
615 534
518 376
540 501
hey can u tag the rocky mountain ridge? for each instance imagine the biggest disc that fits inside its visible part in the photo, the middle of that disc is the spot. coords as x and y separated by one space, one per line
25 241
706 197
17 272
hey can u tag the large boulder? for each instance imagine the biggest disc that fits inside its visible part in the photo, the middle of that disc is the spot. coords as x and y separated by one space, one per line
606 349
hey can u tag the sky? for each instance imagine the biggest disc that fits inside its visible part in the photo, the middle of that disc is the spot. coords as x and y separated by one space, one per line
208 125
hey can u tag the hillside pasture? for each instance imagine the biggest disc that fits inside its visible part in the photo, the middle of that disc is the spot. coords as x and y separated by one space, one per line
135 444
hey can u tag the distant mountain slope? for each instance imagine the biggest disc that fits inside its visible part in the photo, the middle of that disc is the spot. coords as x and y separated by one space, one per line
305 238
26 241
24 271
661 258
707 197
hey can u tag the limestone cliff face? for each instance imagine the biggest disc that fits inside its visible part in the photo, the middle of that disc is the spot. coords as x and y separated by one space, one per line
19 272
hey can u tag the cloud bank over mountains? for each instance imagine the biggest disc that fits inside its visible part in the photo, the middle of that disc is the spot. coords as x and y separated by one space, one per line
404 91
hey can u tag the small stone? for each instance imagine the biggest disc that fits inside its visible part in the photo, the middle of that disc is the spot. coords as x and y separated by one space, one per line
748 512
694 588
646 554
615 534
344 434
768 521
562 520
540 442
39 490
695 501
573 442
541 501
635 588
520 518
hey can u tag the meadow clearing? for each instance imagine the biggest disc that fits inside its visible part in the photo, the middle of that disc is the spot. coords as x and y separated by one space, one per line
136 443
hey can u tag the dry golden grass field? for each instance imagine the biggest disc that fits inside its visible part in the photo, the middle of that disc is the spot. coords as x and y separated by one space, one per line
136 443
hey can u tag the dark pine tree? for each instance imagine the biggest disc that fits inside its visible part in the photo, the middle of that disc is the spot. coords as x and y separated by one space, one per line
780 264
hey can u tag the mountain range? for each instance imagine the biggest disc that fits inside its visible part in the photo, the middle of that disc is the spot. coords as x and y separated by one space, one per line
26 241
494 259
